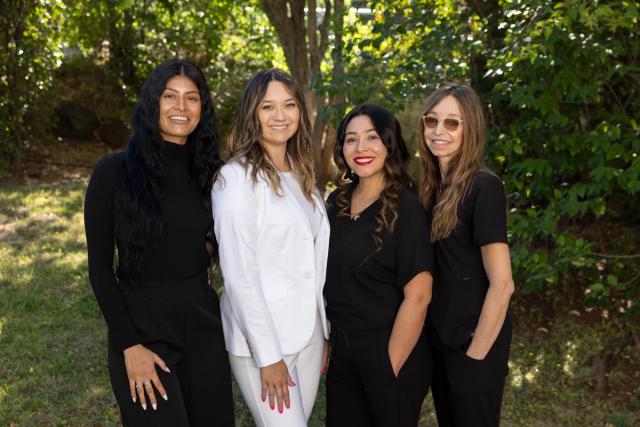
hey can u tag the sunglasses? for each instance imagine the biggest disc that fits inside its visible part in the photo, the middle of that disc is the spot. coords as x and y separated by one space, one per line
432 122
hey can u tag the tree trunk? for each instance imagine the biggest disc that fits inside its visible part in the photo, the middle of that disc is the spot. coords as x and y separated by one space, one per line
599 367
304 42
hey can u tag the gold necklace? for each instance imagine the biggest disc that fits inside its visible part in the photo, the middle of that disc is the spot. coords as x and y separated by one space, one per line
356 203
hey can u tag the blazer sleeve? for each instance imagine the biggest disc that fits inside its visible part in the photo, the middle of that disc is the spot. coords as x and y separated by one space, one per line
235 205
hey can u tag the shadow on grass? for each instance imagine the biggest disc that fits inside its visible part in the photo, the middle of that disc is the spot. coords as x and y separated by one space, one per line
53 337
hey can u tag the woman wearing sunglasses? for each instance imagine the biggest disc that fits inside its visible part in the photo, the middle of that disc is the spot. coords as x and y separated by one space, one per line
469 321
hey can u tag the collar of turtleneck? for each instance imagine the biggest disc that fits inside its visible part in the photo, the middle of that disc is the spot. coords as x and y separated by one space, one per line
175 150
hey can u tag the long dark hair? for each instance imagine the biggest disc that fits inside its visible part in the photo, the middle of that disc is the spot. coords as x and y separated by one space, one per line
395 167
138 222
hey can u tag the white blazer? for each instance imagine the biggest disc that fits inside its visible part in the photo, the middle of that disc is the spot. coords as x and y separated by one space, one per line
272 268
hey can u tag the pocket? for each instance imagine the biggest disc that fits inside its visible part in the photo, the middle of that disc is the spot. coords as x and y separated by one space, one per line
387 366
464 372
274 292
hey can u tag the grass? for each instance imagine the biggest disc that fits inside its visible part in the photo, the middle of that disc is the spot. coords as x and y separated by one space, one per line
53 351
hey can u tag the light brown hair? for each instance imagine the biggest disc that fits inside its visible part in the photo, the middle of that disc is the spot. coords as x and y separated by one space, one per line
245 137
444 196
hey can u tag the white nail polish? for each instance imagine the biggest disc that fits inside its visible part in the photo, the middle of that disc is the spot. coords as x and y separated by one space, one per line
134 399
155 406
165 397
144 406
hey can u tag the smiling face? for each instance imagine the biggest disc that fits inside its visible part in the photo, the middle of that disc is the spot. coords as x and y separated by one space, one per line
363 149
180 108
440 141
279 116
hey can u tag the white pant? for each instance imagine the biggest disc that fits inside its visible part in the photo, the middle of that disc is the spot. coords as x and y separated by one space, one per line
304 368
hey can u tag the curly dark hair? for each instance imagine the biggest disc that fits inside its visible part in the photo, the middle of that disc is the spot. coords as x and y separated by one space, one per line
395 168
137 197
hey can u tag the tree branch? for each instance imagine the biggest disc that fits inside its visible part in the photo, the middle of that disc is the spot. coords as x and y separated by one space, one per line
276 11
312 34
614 255
324 26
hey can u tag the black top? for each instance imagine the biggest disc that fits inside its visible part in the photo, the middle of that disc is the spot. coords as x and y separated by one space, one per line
180 252
461 283
364 291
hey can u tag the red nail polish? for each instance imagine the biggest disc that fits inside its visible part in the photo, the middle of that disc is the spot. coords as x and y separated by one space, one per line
322 371
273 407
279 410
288 405
264 398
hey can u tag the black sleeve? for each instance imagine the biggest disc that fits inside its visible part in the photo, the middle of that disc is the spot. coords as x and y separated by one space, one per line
99 226
489 215
414 253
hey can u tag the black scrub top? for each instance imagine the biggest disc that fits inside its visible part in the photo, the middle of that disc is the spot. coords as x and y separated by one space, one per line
460 282
364 289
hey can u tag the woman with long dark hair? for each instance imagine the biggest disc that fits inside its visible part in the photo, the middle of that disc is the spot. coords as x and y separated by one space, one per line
273 231
148 225
378 283
469 320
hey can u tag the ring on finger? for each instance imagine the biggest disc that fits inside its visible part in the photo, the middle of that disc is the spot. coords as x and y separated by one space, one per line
138 385
147 382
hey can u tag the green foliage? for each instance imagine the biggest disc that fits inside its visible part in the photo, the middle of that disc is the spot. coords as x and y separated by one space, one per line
560 83
30 49
229 41
564 108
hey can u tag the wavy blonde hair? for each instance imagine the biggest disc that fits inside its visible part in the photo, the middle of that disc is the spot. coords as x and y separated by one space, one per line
245 138
444 196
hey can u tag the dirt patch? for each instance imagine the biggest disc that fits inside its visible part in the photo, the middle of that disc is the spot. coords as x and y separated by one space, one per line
62 161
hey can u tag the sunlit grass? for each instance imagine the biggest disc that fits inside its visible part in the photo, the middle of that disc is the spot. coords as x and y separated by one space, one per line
53 338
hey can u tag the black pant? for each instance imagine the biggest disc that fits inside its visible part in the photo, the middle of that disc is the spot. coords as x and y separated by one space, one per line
362 389
468 392
179 321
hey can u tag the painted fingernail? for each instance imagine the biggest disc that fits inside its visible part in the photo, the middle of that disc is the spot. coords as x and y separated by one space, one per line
280 410
144 406
288 405
134 399
155 406
165 397
166 368
322 371
273 407
264 398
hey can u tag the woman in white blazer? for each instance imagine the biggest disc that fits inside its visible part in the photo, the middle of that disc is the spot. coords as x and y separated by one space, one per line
273 234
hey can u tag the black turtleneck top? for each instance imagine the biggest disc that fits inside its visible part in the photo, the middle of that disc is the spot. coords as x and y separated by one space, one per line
180 252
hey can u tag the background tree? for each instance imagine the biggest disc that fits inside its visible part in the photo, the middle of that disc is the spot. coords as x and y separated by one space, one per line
560 82
30 49
304 28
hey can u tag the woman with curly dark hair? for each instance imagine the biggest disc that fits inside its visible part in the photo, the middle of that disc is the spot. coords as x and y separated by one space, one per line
379 276
149 237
